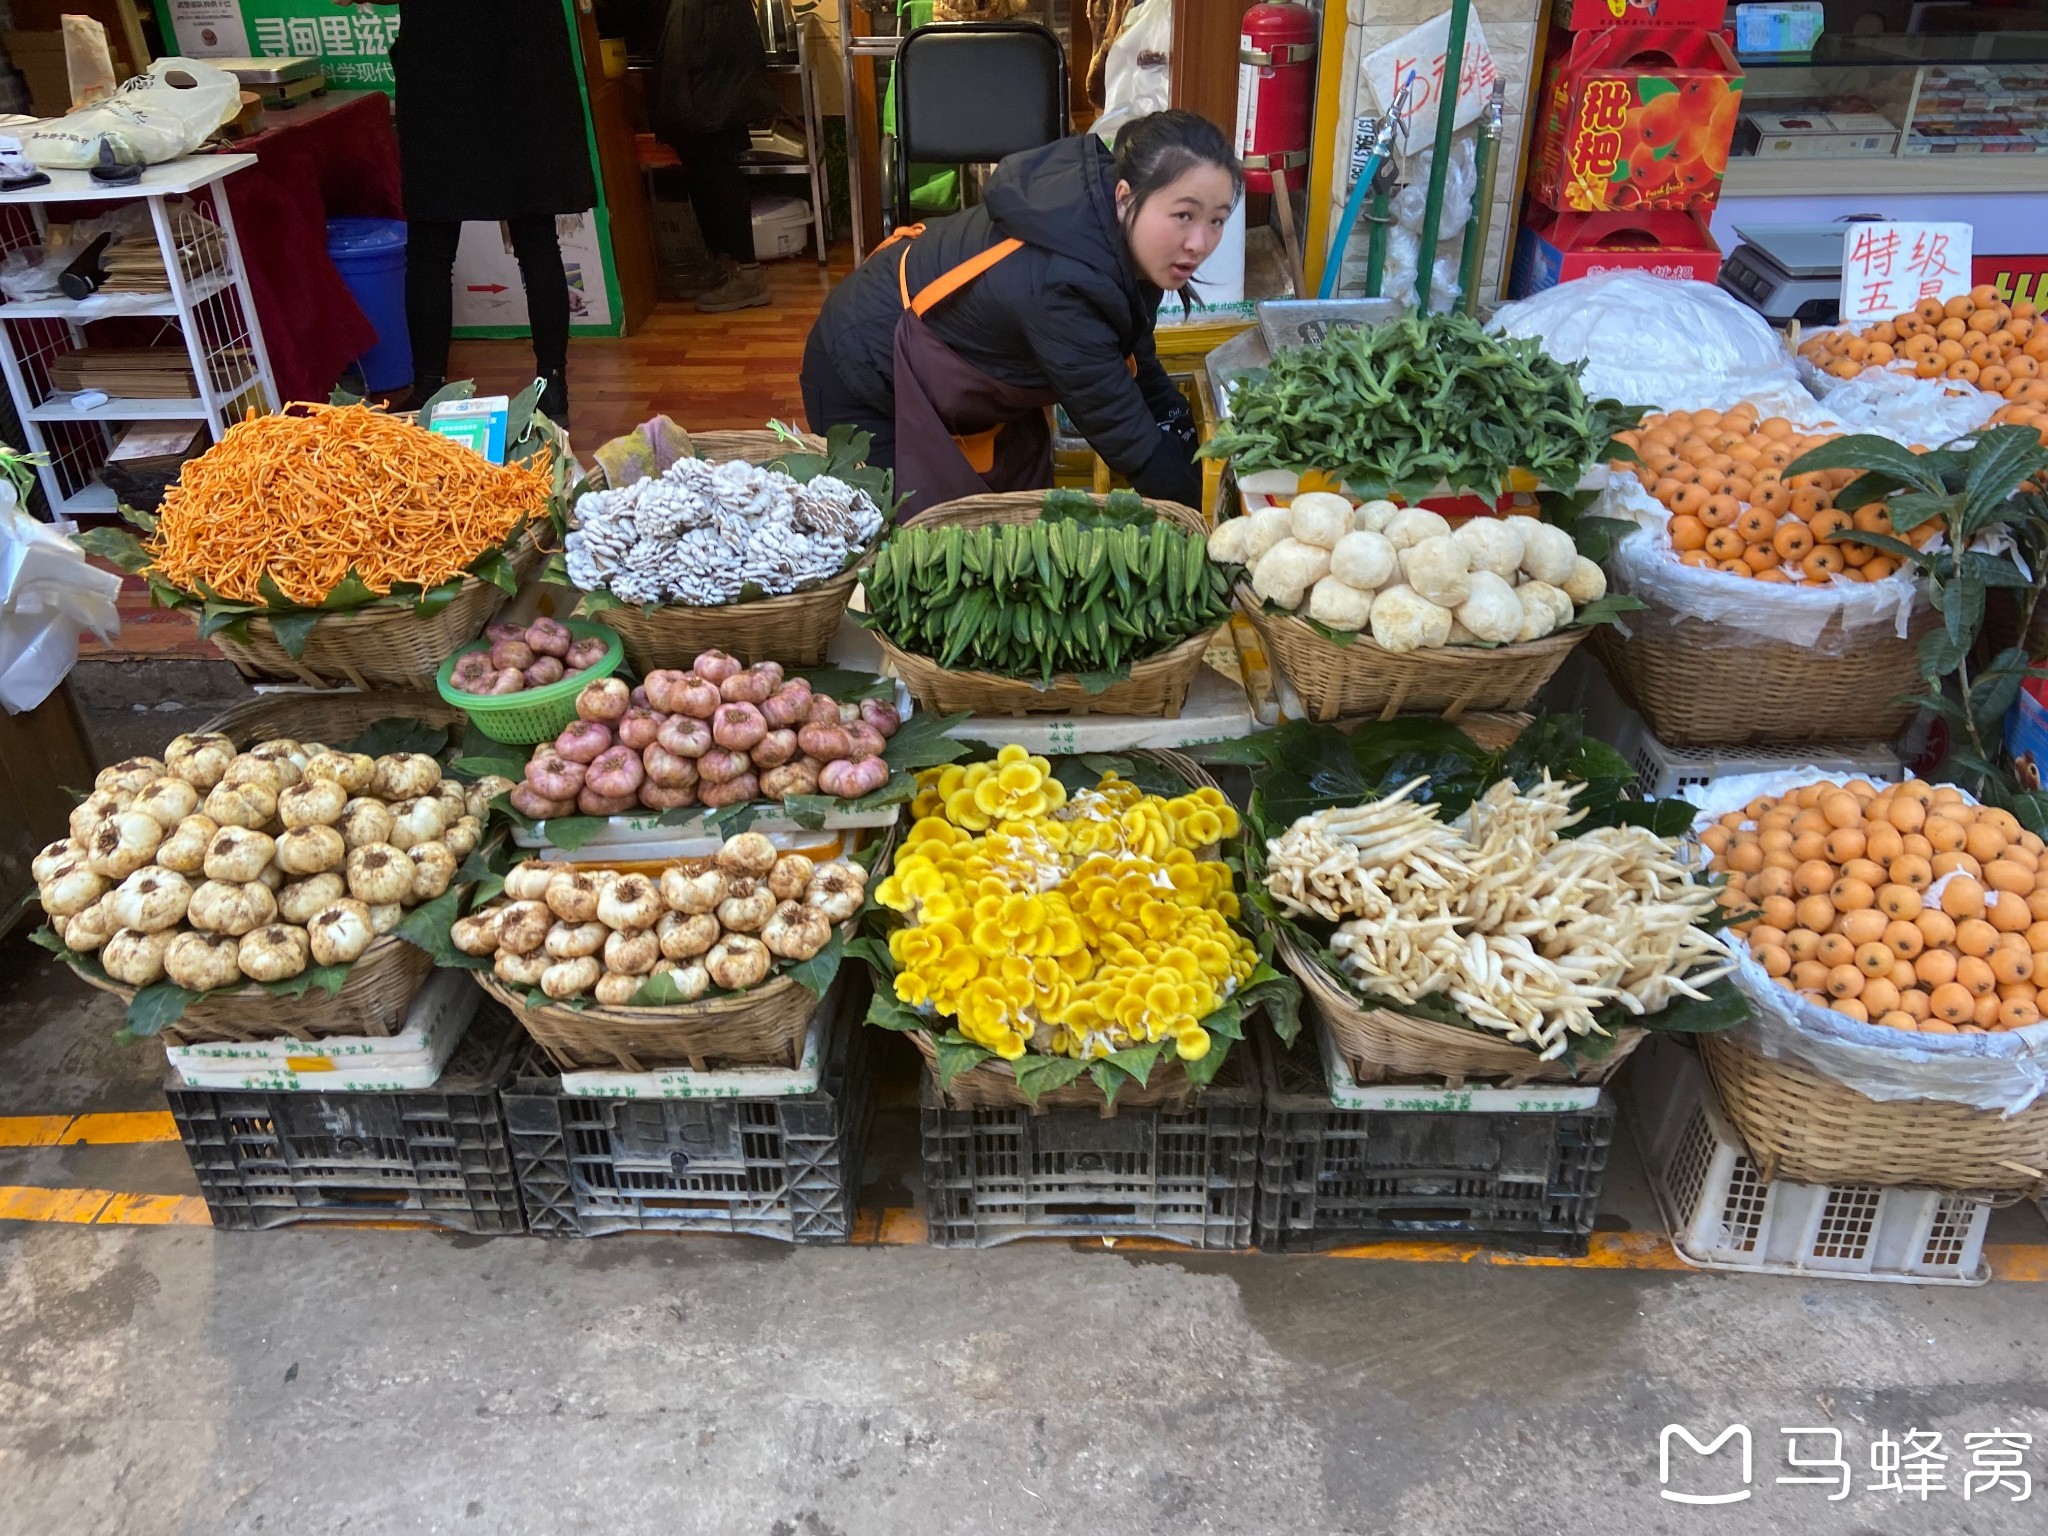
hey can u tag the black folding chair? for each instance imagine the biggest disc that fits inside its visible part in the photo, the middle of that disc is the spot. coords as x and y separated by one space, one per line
969 93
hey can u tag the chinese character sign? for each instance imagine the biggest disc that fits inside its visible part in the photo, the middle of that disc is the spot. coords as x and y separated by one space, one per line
353 44
1889 267
1421 52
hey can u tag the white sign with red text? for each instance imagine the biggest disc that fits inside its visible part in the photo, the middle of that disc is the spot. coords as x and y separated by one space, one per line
1887 268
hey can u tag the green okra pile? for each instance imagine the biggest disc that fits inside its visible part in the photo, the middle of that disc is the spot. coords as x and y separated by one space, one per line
1083 594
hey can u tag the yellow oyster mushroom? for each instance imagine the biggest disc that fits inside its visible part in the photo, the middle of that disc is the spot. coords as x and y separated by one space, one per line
1182 962
913 987
1192 1043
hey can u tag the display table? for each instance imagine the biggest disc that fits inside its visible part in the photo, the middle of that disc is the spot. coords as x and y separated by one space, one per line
334 157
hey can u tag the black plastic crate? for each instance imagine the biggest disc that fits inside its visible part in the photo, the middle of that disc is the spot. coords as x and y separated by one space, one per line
1329 1177
424 1157
786 1168
994 1175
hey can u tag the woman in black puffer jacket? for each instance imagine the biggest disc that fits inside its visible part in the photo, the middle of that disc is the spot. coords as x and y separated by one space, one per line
948 344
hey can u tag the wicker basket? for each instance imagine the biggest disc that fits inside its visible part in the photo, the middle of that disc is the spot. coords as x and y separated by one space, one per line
383 645
762 1028
382 983
1697 683
796 630
993 1085
1802 1126
1157 686
1364 678
1380 1044
374 1000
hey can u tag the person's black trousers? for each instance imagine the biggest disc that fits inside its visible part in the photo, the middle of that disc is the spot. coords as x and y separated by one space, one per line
718 191
828 402
430 291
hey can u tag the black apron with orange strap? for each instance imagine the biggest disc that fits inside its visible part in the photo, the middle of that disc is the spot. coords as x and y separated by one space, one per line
960 432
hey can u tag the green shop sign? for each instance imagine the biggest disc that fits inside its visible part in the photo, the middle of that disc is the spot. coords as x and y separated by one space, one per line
352 43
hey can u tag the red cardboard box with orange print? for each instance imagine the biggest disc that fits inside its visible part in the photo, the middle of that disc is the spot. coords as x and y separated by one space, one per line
1636 118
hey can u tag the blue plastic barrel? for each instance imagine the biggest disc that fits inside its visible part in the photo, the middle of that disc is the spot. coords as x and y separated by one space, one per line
370 254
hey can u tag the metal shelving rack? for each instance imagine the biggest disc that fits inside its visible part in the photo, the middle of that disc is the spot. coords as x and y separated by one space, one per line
210 305
812 165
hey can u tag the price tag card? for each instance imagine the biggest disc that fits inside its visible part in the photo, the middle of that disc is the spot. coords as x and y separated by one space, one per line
1887 268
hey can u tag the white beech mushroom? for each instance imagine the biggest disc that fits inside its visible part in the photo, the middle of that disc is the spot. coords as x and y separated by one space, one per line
684 936
240 854
136 959
310 850
340 934
150 900
365 821
572 941
632 954
274 952
738 961
570 978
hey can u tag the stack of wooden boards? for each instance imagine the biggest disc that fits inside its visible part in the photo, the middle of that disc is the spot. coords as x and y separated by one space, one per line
136 264
145 373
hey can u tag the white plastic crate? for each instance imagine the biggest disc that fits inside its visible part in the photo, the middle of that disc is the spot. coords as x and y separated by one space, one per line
1663 770
411 1059
1721 1214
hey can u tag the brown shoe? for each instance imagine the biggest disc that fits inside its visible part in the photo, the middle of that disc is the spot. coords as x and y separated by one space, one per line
744 289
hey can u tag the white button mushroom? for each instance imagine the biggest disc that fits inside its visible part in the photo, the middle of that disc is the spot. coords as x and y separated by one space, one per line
201 962
249 769
629 903
1491 611
1286 572
122 844
299 902
616 991
751 854
1339 605
420 820
167 801
433 870
1269 525
199 760
1404 620
692 891
1364 560
379 874
88 930
220 906
1437 570
353 771
241 805
315 802
150 900
136 959
1545 610
738 961
791 874
72 888
385 916
240 854
365 821
1411 525
1491 544
274 952
1548 554
1587 582
477 934
1320 518
311 850
133 774
528 881
1373 516
525 927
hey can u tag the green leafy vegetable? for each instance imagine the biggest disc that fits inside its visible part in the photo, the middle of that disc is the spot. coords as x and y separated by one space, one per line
1401 408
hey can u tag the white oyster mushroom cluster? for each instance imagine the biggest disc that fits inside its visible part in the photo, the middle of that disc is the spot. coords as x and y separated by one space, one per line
699 534
1406 576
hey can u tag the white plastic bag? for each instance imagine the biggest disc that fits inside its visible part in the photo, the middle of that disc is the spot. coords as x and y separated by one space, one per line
1404 235
1677 345
2003 1072
158 116
49 596
1136 77
1829 621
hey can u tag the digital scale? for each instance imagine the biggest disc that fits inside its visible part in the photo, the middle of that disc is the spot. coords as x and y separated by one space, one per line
1788 272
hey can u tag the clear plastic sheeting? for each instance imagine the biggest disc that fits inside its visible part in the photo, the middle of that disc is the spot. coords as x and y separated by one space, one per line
49 596
1830 621
1659 341
2002 1072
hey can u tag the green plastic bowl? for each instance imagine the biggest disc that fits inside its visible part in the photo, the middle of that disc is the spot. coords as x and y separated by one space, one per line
533 714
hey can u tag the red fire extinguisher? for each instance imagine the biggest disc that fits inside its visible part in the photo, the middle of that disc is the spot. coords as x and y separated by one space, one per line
1275 47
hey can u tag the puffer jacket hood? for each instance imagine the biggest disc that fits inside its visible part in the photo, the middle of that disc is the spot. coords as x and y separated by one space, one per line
1063 198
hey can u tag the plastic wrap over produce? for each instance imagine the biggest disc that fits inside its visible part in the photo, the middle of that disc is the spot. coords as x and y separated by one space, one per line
1680 346
1895 405
2003 1072
1830 621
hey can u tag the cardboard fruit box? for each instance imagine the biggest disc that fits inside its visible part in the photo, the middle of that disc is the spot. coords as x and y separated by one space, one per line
1596 15
1558 247
1635 118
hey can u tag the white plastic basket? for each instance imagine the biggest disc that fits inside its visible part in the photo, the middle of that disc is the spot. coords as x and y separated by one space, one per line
1721 1214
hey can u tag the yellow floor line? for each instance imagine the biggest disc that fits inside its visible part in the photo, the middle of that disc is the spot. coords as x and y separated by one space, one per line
101 1207
128 1128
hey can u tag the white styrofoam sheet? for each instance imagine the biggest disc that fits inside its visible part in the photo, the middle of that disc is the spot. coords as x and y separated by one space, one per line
1530 1099
734 1083
412 1058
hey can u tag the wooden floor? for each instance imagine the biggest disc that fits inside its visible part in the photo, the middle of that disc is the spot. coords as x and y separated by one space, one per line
710 372
707 372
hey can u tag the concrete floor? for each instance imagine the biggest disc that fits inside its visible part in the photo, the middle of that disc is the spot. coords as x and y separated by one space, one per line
307 1381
